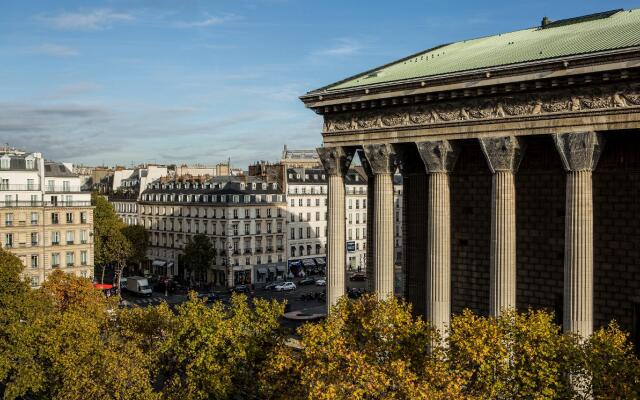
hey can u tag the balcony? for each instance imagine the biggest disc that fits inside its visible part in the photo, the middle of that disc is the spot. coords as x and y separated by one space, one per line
247 251
70 265
259 250
269 249
55 265
69 241
55 243
60 203
19 188
62 189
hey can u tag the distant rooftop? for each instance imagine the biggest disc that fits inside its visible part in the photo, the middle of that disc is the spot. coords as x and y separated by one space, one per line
595 33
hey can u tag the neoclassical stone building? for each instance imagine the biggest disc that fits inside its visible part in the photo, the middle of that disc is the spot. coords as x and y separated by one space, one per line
521 171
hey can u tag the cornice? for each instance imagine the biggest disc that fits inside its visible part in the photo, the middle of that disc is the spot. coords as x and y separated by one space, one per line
622 95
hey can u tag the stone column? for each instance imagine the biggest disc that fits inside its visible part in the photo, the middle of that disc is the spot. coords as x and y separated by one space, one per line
381 160
579 153
439 158
503 156
336 162
370 284
414 226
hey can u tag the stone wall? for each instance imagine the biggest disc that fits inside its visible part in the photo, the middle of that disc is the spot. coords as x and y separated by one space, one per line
470 230
616 187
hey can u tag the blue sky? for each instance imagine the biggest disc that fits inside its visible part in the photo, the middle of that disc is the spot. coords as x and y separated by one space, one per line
199 81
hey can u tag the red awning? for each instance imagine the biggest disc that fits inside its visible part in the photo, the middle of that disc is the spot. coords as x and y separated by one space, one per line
102 286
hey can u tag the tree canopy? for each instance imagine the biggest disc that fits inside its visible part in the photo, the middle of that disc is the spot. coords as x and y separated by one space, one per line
138 236
67 341
110 244
199 254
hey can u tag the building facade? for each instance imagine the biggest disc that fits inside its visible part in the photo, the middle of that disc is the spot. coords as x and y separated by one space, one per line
244 219
307 219
519 155
45 218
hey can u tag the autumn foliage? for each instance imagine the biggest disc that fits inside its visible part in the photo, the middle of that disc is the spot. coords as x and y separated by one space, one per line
67 341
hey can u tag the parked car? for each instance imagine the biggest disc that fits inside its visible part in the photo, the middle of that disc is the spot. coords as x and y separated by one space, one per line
242 289
306 281
321 282
209 297
286 286
271 285
358 278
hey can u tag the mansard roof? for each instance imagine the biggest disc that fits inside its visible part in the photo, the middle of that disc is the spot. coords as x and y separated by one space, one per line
586 35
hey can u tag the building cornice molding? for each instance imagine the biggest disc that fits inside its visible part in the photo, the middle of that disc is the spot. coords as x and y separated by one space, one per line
548 104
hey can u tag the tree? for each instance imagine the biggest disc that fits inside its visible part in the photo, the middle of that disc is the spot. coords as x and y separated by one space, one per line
199 255
64 346
139 239
20 321
365 349
217 352
111 247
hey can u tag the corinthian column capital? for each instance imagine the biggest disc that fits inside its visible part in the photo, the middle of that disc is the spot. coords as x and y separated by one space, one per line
438 155
335 160
503 153
381 158
579 151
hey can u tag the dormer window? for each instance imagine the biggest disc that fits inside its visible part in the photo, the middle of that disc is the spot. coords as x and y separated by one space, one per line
5 162
264 186
290 176
323 177
275 186
30 163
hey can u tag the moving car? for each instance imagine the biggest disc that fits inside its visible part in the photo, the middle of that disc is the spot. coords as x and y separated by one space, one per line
358 278
306 281
271 285
241 289
286 286
321 282
139 285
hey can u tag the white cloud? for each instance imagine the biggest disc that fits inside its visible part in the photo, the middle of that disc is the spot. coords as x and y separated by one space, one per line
342 47
87 20
56 50
203 23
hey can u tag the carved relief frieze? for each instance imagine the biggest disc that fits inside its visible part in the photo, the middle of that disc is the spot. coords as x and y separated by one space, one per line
511 106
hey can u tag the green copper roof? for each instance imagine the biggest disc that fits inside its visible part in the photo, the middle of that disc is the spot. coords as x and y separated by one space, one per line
589 34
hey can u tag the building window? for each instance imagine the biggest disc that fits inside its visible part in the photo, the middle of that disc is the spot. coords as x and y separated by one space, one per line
293 217
300 202
247 228
35 281
83 217
34 218
54 218
317 231
83 237
8 219
69 218
34 261
293 233
293 202
308 232
55 238
34 238
69 258
70 238
8 240
55 260
4 163
83 257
